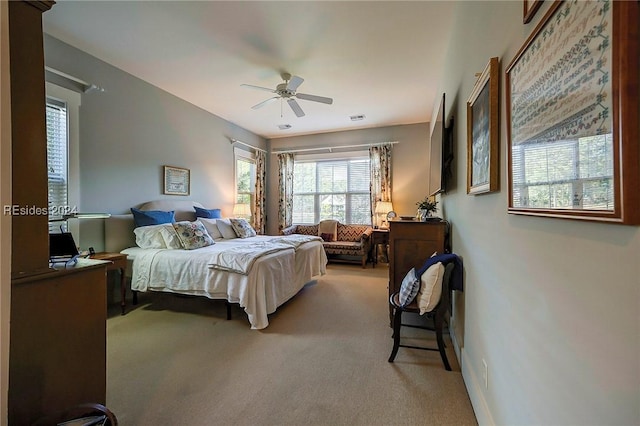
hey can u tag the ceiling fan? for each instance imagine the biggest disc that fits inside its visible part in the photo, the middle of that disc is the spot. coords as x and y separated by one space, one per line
287 90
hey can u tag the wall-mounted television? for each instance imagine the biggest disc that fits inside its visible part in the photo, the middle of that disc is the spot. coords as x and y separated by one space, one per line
440 150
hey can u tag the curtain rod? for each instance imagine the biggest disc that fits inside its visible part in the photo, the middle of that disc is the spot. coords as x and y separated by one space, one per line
86 87
246 144
330 148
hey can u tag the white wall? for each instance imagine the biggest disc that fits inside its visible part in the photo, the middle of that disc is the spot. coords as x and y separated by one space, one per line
131 130
552 305
410 165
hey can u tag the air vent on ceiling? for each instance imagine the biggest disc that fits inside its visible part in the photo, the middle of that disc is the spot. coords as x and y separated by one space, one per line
357 117
284 126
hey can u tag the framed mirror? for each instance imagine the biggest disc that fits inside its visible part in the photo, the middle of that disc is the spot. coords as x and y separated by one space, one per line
572 114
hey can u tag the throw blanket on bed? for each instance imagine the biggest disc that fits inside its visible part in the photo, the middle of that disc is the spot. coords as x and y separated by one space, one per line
240 259
295 240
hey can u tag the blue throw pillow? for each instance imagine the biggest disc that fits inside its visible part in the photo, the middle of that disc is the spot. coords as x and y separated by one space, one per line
151 217
409 288
207 213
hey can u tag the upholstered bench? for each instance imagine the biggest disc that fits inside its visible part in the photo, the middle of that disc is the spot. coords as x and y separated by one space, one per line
351 240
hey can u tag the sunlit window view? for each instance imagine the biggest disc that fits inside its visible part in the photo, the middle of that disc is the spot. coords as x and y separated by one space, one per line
332 189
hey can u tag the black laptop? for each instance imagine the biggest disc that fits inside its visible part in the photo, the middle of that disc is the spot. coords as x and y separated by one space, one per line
62 248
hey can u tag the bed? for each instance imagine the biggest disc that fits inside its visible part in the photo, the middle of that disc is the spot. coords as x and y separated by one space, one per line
259 284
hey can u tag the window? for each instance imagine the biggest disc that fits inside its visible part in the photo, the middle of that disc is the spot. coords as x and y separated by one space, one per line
62 111
245 177
57 159
332 189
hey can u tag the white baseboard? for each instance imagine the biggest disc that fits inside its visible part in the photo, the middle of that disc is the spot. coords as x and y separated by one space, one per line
474 389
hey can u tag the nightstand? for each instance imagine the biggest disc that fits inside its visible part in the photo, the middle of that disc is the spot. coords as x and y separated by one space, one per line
118 263
379 236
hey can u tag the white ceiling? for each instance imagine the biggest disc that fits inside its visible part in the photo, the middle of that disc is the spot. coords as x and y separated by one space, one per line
380 59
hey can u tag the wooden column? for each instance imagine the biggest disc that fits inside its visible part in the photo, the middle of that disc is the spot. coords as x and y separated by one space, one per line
30 243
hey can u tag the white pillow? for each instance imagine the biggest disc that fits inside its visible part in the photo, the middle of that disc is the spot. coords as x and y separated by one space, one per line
211 226
150 237
430 288
170 236
157 237
225 228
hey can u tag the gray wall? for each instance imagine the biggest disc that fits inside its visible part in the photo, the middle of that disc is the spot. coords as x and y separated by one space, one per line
552 305
410 168
129 131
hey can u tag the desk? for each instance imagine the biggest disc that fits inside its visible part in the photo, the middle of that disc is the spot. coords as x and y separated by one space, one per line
379 236
118 263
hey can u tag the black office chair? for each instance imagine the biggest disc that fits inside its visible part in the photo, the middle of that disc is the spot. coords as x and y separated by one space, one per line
437 315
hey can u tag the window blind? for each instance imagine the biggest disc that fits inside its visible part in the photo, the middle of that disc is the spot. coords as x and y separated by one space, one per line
332 189
57 159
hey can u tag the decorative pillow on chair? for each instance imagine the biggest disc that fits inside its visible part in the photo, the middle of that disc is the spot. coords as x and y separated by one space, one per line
211 226
243 228
329 226
430 288
326 237
207 213
193 235
151 217
409 288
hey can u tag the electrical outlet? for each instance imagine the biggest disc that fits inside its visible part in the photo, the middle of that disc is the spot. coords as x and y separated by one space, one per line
485 374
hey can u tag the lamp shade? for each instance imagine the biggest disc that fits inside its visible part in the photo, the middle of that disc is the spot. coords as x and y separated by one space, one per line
241 209
383 207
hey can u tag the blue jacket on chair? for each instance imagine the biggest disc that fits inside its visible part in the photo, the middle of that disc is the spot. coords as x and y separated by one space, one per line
445 258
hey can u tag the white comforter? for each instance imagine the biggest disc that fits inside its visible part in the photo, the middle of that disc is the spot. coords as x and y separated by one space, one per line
272 279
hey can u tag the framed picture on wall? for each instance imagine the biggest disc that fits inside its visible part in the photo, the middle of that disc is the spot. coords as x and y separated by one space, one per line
176 181
530 9
483 139
572 114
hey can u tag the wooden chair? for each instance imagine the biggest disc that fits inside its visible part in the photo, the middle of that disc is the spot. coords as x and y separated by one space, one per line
437 315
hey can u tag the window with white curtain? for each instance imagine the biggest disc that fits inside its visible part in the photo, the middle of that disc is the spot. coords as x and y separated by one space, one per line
332 188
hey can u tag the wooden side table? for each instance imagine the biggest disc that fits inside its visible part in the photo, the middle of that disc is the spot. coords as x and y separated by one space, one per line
379 236
118 263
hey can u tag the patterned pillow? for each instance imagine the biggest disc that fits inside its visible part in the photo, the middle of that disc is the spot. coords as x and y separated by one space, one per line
193 235
242 227
409 288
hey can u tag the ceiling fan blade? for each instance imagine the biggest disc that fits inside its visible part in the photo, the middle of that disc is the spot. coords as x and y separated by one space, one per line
295 107
259 88
263 103
314 98
294 83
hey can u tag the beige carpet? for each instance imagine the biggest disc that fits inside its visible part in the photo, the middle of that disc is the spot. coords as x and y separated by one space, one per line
322 361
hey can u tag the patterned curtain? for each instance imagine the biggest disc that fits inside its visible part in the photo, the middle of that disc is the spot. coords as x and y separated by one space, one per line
380 159
259 202
285 187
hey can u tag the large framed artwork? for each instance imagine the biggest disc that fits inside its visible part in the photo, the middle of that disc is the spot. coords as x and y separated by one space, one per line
483 137
572 114
176 180
530 9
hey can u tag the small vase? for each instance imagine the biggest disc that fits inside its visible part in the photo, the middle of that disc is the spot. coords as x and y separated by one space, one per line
423 214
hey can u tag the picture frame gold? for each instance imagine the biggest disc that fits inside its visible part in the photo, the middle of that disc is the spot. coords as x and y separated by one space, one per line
530 9
176 181
572 97
483 131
